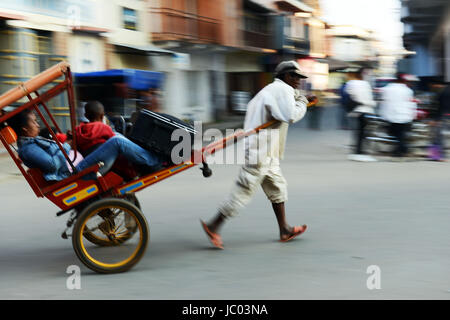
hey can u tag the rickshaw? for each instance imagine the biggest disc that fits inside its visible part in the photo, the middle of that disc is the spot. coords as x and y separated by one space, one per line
109 231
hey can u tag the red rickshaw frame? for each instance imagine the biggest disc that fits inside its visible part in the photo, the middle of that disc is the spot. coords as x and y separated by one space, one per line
73 191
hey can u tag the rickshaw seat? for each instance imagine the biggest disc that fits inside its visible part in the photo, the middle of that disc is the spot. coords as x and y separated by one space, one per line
72 178
124 168
38 177
49 186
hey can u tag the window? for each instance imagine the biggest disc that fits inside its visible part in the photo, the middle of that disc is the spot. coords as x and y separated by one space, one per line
294 27
44 44
86 61
129 19
254 24
194 79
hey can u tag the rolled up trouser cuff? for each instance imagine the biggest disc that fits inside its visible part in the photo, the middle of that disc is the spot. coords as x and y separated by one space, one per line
279 199
269 177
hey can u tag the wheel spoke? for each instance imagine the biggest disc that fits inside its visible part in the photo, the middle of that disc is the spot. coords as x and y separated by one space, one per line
118 226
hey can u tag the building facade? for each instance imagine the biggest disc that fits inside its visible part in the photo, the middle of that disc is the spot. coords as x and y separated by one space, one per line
350 46
92 35
216 55
34 35
222 49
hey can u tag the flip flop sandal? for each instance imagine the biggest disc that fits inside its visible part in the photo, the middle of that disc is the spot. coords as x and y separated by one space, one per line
215 239
298 230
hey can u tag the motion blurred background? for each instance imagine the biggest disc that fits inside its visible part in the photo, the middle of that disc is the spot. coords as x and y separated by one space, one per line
205 59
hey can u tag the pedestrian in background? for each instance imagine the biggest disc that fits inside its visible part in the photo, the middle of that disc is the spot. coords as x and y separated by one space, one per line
399 109
148 100
346 105
315 112
281 101
360 92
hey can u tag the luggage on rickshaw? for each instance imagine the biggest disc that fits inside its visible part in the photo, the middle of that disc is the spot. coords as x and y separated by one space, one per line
153 131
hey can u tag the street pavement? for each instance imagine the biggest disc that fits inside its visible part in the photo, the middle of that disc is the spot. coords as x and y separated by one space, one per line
391 215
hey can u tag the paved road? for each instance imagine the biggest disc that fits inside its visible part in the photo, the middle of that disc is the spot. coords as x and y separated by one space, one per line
388 214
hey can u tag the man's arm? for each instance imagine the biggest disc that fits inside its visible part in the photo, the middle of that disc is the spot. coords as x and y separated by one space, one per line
286 106
299 111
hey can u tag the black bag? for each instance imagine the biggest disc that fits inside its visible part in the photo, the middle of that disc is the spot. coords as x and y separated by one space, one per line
347 100
350 104
153 131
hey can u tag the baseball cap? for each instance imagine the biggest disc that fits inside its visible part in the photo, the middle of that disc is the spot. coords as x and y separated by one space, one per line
288 67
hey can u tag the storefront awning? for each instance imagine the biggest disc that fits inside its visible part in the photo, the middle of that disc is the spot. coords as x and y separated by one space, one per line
295 5
10 16
259 7
135 79
335 65
89 29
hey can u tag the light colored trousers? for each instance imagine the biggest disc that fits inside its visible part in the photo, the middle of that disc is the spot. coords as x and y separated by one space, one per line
269 176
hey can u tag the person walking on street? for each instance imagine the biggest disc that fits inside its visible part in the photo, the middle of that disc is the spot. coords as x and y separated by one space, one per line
360 92
280 101
439 123
399 109
345 104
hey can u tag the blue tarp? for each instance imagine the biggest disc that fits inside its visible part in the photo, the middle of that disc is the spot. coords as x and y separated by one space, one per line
135 79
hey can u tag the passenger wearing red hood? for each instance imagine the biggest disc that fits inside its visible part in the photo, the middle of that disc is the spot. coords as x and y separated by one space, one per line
90 135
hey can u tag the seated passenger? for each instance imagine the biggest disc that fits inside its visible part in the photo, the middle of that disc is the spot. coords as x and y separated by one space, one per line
90 135
44 154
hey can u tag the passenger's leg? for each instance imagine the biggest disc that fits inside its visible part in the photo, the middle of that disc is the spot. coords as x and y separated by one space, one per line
240 195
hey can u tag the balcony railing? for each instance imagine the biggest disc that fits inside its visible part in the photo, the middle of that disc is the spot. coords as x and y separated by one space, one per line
256 39
170 24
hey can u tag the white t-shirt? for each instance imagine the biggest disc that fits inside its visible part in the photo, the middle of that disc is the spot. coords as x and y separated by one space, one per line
279 101
361 91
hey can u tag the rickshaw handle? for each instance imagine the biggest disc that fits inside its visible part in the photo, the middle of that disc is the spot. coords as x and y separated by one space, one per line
218 145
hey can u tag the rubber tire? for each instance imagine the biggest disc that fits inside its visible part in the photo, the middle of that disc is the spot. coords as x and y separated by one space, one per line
77 237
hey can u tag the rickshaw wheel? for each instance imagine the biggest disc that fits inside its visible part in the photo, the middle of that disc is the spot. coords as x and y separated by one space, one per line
102 239
115 258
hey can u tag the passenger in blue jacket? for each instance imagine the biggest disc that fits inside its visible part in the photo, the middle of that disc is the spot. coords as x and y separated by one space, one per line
44 154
